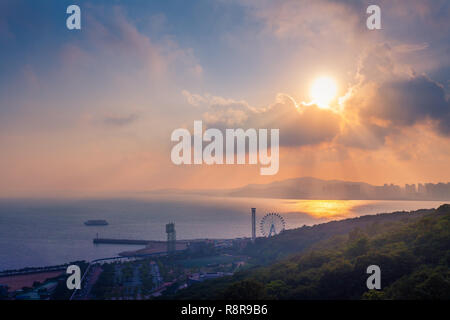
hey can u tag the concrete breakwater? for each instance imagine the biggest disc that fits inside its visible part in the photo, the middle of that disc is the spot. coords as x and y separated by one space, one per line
122 241
133 242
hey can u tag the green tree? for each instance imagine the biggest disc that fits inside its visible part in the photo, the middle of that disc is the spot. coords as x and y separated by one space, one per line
246 290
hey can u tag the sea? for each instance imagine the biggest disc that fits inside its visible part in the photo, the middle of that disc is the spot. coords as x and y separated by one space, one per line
37 233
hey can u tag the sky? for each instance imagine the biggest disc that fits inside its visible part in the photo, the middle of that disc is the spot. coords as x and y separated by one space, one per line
91 111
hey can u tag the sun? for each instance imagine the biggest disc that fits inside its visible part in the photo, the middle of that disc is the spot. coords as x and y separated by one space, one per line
323 91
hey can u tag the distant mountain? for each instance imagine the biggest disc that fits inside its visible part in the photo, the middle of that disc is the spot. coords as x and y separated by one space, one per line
302 188
313 188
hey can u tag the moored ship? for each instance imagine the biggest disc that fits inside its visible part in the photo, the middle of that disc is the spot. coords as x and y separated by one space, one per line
96 223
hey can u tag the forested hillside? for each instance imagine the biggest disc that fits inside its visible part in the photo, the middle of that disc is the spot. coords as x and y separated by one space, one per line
267 250
412 250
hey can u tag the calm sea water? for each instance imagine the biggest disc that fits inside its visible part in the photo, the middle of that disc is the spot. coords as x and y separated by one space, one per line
49 232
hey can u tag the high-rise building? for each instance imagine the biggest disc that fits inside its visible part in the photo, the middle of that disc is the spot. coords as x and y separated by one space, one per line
421 188
253 224
410 188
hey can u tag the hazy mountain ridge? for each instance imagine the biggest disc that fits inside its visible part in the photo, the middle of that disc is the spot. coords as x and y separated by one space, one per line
313 188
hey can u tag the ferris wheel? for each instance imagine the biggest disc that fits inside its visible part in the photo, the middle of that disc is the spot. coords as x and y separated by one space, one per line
272 224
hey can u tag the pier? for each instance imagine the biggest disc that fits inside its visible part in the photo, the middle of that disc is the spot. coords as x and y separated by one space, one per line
122 241
133 242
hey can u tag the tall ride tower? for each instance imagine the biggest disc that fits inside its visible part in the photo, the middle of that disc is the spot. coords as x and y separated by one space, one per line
171 238
253 224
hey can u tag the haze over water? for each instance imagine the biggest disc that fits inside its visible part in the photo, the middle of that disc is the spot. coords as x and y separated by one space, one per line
49 232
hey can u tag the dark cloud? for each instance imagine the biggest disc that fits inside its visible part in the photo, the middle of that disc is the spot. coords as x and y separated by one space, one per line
299 126
310 126
411 101
364 136
443 125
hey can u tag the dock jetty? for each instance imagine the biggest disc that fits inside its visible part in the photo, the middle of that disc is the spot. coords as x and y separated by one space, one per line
133 242
122 241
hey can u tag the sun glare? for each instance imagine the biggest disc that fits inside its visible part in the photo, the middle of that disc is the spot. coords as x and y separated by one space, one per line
323 91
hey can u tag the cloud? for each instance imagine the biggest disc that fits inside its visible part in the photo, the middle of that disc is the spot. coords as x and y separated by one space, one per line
227 116
299 126
193 99
305 125
389 96
120 120
308 19
411 47
367 136
225 113
410 101
219 111
112 33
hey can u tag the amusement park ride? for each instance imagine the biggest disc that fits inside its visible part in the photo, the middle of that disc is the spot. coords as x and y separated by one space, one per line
272 224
